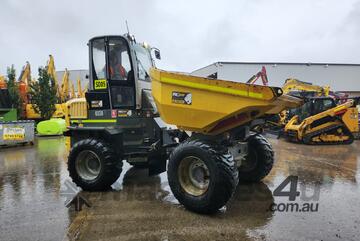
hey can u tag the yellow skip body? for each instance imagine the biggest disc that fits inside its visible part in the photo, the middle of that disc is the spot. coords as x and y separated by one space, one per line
213 106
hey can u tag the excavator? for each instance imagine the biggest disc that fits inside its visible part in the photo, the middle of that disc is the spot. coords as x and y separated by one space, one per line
301 88
62 93
72 91
64 90
80 91
23 82
261 74
295 87
320 121
50 67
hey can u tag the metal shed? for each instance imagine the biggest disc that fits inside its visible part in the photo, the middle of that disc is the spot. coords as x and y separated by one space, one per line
340 77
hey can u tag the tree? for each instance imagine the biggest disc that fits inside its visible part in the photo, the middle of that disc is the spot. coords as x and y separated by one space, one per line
13 89
43 94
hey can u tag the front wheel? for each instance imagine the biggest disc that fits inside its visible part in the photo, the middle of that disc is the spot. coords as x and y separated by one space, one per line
259 160
93 165
202 175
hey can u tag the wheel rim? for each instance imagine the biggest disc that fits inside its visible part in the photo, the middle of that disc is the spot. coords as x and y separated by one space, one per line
88 165
194 175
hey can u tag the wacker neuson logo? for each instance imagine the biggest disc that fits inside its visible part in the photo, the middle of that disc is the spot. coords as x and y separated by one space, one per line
289 188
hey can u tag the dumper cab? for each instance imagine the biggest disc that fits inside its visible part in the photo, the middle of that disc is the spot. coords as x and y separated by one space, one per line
119 103
118 76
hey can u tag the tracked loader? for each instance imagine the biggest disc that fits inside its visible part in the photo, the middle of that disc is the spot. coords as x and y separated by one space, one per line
321 121
208 152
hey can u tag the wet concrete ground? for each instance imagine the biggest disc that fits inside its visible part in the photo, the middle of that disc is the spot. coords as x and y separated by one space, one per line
33 180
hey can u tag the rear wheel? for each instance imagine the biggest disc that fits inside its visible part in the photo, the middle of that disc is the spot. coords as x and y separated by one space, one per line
259 161
93 165
202 175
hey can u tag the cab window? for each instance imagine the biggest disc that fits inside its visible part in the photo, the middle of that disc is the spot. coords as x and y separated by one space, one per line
144 62
322 105
304 111
119 61
122 96
120 74
98 51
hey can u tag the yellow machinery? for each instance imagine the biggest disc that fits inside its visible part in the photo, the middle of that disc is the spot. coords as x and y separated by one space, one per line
300 86
2 82
72 91
213 106
76 109
62 93
75 112
297 88
32 114
81 92
50 67
23 82
209 152
25 75
64 90
303 89
320 121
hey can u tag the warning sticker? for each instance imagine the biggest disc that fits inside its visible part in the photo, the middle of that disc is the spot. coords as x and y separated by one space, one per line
13 133
181 98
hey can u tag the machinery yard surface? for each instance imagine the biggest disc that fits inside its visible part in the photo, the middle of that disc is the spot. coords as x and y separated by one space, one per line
33 191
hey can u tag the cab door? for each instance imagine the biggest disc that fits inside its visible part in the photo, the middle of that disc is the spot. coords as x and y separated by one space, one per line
112 82
120 74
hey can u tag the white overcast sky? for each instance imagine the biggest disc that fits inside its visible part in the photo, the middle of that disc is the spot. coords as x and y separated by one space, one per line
190 34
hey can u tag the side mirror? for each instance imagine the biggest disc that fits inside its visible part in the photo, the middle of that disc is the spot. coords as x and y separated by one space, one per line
157 54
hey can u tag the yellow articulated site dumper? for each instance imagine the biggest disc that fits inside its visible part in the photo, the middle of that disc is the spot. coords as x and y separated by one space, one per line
321 121
212 147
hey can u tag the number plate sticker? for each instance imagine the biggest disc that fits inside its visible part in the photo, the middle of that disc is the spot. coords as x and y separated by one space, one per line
99 113
100 84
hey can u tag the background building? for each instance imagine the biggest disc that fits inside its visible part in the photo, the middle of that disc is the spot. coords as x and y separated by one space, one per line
340 77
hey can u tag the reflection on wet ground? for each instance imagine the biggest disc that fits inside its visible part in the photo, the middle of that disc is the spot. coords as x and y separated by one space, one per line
142 207
30 180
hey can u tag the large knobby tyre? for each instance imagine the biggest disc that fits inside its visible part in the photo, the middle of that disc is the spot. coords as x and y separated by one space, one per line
202 175
93 165
259 160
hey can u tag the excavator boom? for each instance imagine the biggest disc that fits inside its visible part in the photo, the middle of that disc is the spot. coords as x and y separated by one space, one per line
261 74
297 85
